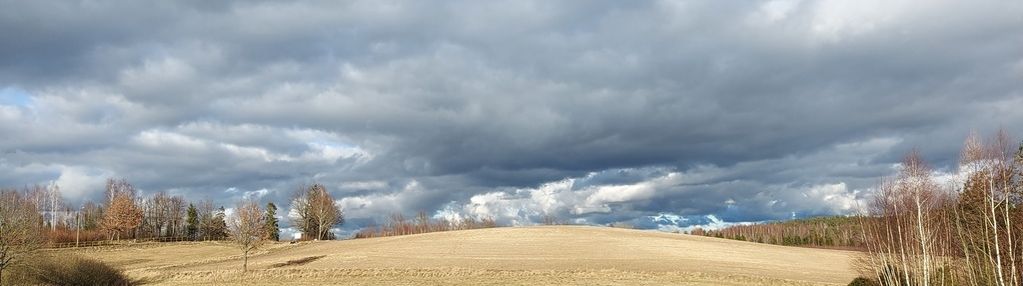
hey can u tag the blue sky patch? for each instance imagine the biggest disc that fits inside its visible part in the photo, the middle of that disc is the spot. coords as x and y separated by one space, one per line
15 96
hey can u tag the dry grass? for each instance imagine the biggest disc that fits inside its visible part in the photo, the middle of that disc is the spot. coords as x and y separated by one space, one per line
65 269
297 262
553 255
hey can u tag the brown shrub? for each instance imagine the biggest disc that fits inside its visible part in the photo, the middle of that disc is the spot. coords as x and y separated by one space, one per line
64 235
71 270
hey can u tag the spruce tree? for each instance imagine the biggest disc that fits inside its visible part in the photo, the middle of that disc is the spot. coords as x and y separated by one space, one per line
273 230
218 229
193 222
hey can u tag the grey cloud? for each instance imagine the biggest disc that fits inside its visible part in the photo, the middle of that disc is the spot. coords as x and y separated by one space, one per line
772 106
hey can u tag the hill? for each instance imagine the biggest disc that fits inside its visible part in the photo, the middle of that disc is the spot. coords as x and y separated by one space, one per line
517 255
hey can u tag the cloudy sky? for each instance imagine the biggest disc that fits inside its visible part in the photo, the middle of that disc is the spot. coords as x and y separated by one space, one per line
656 113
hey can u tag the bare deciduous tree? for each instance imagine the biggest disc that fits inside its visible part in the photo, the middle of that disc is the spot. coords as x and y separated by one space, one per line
325 212
20 227
922 234
122 215
118 186
315 211
212 224
300 216
247 229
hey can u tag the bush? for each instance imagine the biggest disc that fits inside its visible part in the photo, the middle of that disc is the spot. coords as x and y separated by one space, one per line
63 235
74 270
860 281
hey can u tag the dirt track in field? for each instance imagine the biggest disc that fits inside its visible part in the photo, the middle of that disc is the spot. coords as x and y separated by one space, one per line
553 255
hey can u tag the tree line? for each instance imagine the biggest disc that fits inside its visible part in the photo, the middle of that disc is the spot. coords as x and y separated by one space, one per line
36 216
123 214
840 232
398 224
918 230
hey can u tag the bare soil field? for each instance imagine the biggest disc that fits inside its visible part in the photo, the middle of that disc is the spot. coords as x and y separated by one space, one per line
547 255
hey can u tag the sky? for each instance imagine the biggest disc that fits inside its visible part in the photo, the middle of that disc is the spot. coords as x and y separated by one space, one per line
657 114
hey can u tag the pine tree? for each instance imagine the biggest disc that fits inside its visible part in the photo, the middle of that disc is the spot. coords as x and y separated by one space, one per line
272 229
193 222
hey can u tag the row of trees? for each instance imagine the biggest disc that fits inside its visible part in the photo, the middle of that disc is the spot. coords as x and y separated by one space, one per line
826 232
126 214
123 214
34 216
966 233
398 224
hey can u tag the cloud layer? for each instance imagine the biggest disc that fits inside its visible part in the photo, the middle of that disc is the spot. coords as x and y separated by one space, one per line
595 111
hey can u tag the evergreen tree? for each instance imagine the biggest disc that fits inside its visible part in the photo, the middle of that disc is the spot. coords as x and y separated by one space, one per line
193 222
218 229
273 230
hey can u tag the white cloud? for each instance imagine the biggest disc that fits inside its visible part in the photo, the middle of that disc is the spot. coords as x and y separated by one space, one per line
257 194
77 182
835 198
678 223
157 75
330 152
164 139
602 195
837 20
10 113
378 206
315 151
364 185
778 10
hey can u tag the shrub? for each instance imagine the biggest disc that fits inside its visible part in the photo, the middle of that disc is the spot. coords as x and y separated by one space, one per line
75 270
860 281
64 235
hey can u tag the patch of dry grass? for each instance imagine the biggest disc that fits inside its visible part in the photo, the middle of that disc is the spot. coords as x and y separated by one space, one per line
67 270
449 276
296 262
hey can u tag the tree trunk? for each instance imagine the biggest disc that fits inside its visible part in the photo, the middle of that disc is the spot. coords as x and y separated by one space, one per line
923 239
994 226
245 262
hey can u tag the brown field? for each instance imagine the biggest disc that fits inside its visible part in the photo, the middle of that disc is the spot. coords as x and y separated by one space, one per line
554 255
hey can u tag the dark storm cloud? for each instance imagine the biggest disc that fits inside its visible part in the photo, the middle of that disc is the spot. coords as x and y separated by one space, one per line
653 111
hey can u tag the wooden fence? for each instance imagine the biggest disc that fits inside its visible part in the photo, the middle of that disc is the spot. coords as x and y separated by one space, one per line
94 243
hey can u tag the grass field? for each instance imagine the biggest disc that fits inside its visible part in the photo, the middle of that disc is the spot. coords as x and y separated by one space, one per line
554 255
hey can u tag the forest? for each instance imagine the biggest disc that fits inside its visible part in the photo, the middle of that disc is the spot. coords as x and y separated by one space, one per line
918 230
839 232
